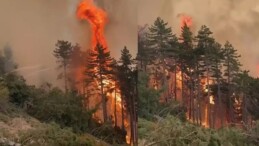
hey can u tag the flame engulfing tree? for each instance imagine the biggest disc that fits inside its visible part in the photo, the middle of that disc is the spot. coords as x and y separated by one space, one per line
208 71
99 70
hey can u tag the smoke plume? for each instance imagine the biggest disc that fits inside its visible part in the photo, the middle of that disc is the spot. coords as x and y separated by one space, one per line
32 27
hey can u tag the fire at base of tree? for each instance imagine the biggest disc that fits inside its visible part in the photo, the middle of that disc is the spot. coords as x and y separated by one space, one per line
202 76
108 89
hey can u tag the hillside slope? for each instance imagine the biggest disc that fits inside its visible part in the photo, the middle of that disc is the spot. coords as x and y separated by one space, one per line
18 128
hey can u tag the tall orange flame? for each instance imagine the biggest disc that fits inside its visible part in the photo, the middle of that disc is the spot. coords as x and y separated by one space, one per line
97 19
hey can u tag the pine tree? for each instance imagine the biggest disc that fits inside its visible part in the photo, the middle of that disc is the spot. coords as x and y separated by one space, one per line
99 72
115 88
217 59
205 44
232 68
243 82
142 55
160 40
63 52
186 62
127 80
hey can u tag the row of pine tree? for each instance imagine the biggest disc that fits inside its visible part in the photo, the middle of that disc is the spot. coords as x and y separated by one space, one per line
210 74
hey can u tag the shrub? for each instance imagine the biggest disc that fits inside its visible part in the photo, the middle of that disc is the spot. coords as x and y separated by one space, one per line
19 92
172 131
52 135
67 110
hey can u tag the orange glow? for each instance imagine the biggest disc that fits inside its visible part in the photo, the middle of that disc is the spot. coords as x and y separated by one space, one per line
205 122
185 19
98 19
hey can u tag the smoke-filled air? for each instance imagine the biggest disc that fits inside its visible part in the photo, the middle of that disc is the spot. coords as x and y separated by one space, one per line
233 20
198 67
68 74
31 28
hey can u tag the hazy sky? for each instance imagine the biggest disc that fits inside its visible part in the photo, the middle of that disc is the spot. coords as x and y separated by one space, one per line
233 20
32 27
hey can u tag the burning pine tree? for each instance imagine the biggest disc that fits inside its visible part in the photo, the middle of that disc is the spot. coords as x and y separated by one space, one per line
101 84
197 71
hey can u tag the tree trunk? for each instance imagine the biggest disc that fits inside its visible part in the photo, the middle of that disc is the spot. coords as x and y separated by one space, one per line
220 107
175 83
190 104
115 106
198 113
122 113
65 77
135 112
208 96
103 100
182 90
229 112
193 108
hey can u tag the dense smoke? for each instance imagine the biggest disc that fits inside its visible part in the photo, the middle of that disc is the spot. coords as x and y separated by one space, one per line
233 20
32 27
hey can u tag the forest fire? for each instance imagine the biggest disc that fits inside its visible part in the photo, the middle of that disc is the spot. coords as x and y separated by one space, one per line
98 19
185 19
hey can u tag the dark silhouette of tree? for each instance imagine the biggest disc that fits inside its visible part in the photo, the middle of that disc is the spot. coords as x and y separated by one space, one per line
232 68
63 52
99 71
127 80
160 41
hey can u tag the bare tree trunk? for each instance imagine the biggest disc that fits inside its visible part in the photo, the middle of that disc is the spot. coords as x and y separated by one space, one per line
182 90
115 106
220 107
103 100
190 104
65 77
193 107
175 83
122 113
198 113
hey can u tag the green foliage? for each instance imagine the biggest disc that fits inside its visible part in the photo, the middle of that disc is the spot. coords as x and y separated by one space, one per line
63 52
65 109
19 92
148 98
231 62
171 131
144 127
253 98
53 135
127 79
172 108
110 134
160 36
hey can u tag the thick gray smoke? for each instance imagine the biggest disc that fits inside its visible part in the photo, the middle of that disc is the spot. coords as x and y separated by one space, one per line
233 20
32 27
